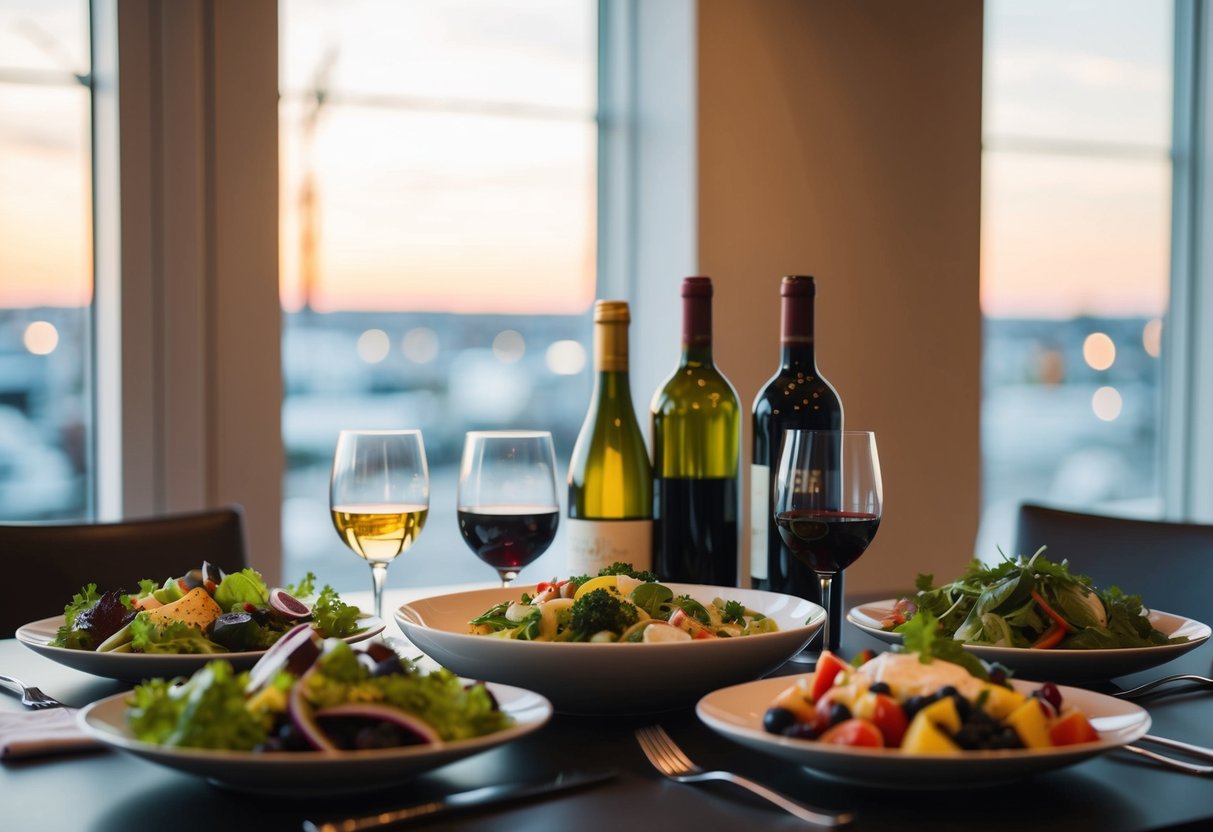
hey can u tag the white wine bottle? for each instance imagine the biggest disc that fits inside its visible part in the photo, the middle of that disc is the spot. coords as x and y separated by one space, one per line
610 479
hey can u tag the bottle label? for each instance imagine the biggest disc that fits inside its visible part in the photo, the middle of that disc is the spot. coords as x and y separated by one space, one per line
760 520
595 544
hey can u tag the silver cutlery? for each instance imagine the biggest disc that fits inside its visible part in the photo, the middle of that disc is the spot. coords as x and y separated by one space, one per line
1170 762
462 801
1197 751
670 760
1146 689
31 697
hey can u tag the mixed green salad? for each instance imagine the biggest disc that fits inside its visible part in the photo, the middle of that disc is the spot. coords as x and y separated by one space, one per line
204 611
619 604
312 695
1030 602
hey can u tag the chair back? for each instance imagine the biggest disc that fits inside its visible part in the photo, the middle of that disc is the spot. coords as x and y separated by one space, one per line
1168 564
45 565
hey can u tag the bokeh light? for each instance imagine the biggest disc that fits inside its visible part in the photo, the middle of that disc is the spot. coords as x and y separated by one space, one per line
565 358
509 346
374 346
1151 337
420 345
41 338
1107 403
1098 351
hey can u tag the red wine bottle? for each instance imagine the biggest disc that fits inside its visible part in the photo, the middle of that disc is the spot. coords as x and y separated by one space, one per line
797 396
696 432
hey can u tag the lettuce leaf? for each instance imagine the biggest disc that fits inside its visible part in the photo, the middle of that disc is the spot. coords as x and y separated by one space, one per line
922 635
306 588
67 635
334 617
239 588
175 637
208 711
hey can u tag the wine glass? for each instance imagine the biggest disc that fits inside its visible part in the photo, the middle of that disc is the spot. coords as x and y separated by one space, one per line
507 505
828 498
379 496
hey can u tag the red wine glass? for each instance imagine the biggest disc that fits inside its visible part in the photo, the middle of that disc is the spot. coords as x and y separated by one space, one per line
507 506
828 499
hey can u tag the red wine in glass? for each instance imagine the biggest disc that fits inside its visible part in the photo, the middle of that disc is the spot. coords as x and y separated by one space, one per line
508 537
827 541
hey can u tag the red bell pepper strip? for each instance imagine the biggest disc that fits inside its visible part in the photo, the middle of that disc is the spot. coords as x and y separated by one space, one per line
1053 636
1049 611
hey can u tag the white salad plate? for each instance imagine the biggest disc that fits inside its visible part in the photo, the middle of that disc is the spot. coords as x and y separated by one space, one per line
133 667
312 773
1071 666
736 712
606 677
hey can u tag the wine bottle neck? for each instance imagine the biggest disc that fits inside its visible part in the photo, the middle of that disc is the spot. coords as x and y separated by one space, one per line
697 327
796 331
611 347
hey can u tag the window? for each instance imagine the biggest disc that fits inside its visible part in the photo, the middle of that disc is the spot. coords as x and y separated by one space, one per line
438 244
45 260
1075 256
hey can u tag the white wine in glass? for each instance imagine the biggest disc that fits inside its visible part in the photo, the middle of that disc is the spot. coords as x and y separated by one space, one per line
379 496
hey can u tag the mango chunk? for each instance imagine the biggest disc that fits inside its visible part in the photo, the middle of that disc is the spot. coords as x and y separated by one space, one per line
1030 722
942 713
924 737
1000 701
196 608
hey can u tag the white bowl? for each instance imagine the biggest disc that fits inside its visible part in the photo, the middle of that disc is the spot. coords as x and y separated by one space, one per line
1057 665
736 712
599 678
312 774
135 667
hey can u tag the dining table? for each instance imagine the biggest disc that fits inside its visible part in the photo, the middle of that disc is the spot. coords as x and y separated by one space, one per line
103 790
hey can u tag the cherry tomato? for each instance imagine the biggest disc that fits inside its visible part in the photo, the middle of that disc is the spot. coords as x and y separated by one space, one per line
856 732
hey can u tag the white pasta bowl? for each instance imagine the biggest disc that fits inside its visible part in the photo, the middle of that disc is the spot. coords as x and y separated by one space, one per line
610 677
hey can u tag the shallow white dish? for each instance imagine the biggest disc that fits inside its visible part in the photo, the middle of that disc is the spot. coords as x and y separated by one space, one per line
1061 665
133 667
736 712
312 773
597 678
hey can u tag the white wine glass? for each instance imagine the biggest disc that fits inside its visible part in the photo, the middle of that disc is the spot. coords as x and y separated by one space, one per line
507 505
379 496
828 503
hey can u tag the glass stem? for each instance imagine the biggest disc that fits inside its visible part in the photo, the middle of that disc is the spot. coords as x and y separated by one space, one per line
378 576
826 580
508 576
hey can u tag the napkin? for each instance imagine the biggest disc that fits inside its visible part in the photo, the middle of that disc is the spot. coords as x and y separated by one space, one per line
42 732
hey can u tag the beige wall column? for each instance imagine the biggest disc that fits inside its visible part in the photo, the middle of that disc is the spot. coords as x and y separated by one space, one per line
843 140
188 317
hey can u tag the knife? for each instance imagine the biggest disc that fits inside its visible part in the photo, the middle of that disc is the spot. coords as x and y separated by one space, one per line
463 801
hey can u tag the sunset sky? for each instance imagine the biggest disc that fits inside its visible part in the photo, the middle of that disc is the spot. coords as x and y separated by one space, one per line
455 175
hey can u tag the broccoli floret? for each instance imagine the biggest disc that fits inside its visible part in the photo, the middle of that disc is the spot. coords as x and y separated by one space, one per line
600 610
578 580
619 568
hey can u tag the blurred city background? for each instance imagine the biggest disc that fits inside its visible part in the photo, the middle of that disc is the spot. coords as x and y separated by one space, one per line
438 248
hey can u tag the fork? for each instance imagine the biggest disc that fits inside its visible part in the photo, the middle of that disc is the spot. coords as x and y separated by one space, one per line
1143 690
670 760
30 697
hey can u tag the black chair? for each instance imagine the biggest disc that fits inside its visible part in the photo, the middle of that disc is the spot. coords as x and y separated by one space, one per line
1170 565
44 565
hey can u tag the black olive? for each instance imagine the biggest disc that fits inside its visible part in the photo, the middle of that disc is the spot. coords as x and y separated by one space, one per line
778 720
801 731
839 713
880 687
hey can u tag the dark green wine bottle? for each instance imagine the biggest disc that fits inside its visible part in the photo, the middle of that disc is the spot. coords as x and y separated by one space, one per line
696 430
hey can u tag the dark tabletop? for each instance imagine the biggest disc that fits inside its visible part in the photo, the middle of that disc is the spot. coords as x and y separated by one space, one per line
112 791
